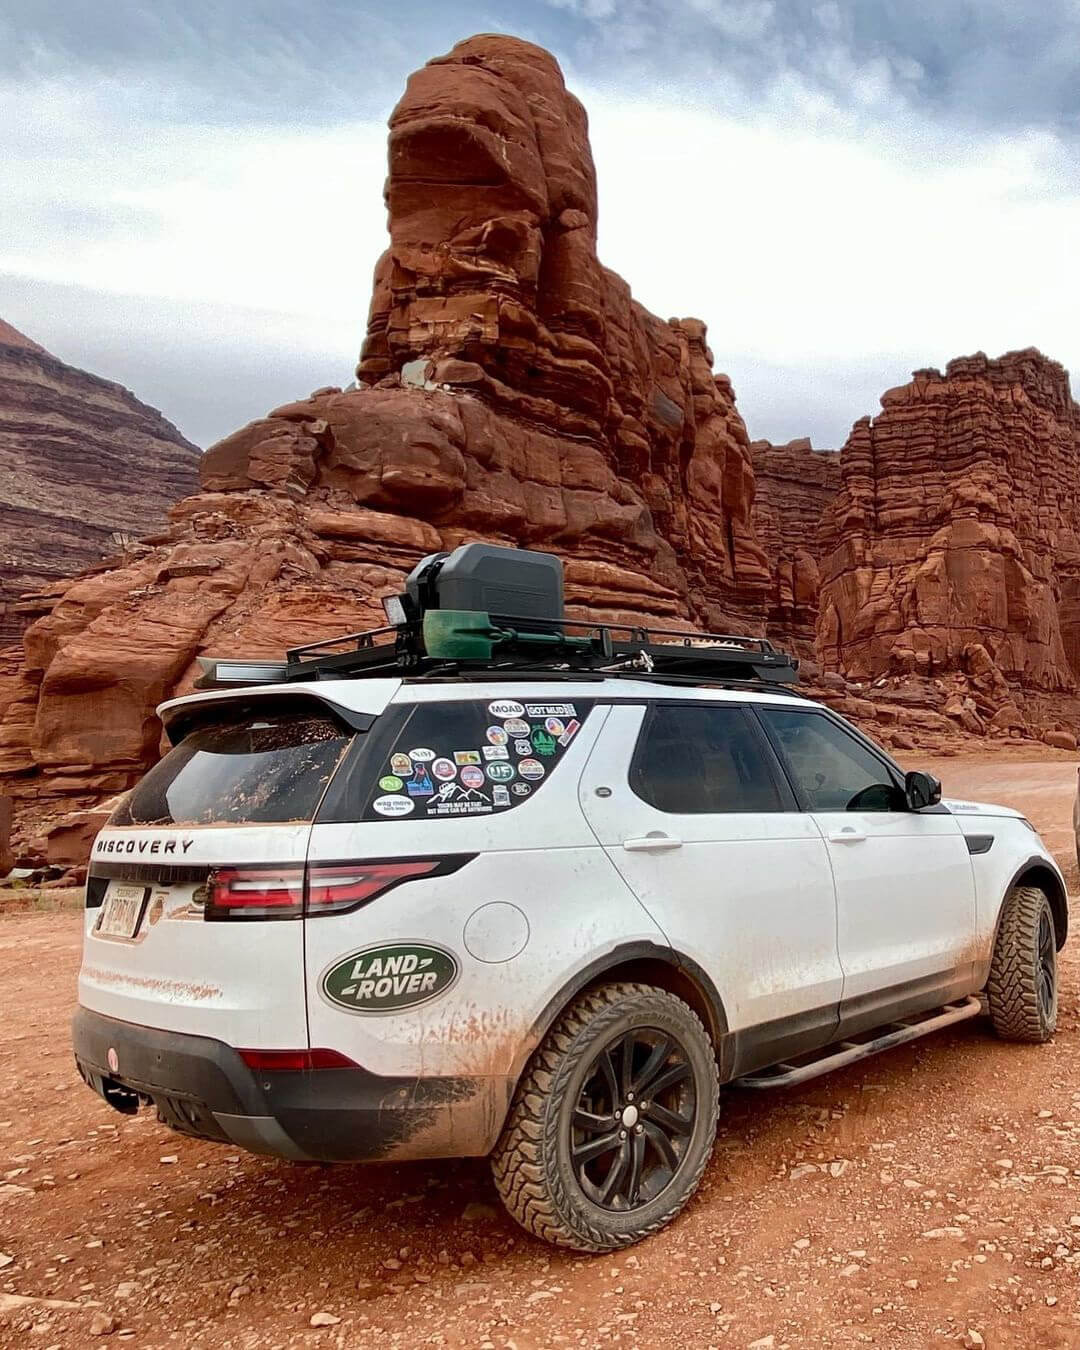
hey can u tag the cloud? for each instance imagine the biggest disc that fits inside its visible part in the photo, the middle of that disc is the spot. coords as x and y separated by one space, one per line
193 193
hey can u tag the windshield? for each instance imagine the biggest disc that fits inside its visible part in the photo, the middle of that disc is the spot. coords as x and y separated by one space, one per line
255 770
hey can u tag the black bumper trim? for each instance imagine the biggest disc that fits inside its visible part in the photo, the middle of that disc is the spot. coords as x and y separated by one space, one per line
201 1087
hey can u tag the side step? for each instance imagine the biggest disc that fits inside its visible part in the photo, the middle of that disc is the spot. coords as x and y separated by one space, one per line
842 1053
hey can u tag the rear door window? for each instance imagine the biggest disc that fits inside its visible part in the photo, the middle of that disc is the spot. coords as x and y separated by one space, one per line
468 758
255 770
700 759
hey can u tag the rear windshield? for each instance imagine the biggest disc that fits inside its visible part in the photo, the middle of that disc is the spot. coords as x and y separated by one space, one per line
256 770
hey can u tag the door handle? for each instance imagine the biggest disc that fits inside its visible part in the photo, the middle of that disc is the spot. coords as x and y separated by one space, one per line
848 835
652 843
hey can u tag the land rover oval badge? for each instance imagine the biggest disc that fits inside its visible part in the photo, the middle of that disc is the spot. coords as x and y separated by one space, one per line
390 978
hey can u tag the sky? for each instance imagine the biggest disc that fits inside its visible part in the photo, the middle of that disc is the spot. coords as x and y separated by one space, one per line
844 190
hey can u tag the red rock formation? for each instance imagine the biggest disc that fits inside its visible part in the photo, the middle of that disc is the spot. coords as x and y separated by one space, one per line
81 461
794 485
510 389
952 544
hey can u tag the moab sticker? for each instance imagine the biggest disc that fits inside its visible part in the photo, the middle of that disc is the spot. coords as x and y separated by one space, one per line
389 978
505 707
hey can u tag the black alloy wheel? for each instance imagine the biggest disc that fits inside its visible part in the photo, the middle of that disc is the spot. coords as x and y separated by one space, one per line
1046 974
633 1119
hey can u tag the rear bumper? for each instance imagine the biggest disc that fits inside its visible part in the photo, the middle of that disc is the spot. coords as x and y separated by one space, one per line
203 1088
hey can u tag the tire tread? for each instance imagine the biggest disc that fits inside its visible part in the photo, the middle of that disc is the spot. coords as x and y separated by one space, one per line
1012 990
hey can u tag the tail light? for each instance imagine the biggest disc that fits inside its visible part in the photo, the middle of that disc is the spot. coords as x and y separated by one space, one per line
327 888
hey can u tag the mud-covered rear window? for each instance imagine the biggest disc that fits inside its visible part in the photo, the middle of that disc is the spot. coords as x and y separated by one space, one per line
256 770
468 758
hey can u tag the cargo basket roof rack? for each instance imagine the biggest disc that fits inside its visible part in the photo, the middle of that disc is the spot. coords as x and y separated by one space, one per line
426 638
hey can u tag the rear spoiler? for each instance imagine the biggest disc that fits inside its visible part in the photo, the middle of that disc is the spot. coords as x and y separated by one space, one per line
179 716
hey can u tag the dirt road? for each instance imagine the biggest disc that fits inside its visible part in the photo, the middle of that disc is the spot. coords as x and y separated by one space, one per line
926 1198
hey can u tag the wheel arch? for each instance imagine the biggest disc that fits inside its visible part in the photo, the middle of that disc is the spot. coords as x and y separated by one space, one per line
1038 872
648 963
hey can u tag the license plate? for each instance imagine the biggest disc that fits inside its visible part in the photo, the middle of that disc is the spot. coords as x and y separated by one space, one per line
123 910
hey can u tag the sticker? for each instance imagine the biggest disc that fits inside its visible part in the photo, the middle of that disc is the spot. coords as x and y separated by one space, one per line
531 768
466 756
572 728
500 773
393 806
523 748
496 752
543 744
472 777
422 755
391 783
389 978
401 765
550 710
554 726
444 769
500 796
497 736
521 789
420 784
472 807
505 707
516 727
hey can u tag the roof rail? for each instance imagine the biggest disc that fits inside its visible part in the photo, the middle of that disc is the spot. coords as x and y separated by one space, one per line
454 642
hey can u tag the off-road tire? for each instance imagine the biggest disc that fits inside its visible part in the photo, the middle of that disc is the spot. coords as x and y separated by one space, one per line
1016 1009
532 1160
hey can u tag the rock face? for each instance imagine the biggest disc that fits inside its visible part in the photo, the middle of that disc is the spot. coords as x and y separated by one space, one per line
82 462
509 389
952 544
794 485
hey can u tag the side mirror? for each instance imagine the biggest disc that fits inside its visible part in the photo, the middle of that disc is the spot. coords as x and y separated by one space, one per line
921 789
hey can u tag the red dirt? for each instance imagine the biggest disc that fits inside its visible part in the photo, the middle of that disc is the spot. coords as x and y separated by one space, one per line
959 1134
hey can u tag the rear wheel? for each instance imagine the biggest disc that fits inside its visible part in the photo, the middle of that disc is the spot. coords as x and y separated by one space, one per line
1022 989
613 1121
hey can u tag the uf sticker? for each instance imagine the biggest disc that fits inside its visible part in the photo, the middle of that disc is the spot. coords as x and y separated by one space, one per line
499 772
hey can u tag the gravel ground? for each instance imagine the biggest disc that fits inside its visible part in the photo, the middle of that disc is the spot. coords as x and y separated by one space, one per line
925 1198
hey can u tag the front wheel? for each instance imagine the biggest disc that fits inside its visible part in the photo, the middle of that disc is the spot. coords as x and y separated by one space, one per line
613 1122
1022 989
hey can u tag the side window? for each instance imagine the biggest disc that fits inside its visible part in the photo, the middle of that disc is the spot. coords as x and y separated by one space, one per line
835 771
470 758
702 759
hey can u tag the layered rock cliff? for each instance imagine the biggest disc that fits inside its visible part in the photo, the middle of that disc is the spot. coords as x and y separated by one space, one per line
509 388
794 484
953 541
82 464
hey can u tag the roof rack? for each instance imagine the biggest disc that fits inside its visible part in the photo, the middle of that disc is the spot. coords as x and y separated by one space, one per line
426 640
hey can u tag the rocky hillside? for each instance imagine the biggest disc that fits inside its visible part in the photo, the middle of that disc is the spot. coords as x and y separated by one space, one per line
83 466
952 544
794 484
510 388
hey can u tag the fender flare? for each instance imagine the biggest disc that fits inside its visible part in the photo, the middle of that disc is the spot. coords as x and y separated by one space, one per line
625 954
1058 897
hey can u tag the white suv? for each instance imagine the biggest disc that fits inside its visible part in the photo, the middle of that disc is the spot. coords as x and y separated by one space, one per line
537 914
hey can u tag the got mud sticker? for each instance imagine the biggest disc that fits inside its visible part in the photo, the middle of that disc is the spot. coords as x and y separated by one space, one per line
389 978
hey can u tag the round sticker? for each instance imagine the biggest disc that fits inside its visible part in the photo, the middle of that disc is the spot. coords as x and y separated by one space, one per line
497 736
521 789
516 727
499 772
472 777
422 755
401 765
506 707
554 725
391 783
444 769
529 768
393 806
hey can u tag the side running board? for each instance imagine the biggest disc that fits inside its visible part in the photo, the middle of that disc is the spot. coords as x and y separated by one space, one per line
841 1053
